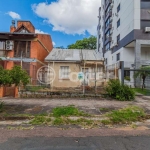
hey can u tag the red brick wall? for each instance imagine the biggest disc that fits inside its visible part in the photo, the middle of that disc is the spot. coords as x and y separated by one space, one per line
27 24
37 50
12 29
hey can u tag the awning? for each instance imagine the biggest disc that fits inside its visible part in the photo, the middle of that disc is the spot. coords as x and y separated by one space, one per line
19 59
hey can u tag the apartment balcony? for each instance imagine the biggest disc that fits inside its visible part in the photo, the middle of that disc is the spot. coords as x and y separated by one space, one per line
108 28
107 4
108 39
109 14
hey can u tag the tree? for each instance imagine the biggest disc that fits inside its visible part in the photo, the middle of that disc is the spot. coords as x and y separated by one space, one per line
19 76
143 73
5 77
86 43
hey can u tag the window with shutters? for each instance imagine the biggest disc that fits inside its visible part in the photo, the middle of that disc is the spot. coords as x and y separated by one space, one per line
64 72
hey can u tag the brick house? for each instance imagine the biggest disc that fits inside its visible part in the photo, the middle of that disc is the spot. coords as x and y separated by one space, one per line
22 46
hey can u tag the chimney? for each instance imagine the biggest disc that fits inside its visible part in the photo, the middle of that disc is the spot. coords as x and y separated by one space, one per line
12 27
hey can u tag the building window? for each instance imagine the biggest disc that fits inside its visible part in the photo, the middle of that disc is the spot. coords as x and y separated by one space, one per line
64 72
118 8
107 47
118 23
2 45
22 48
118 56
126 73
118 38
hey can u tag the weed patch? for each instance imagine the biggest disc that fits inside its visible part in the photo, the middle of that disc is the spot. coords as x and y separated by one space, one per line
67 111
40 120
125 115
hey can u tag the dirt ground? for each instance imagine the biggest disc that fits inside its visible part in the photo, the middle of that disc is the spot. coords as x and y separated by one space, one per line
91 106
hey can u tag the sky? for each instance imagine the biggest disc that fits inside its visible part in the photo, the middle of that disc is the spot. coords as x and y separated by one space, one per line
65 20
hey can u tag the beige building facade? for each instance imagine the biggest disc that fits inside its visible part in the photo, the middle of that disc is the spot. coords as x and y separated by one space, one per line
74 68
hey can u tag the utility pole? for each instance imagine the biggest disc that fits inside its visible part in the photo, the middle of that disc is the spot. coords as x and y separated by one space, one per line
84 80
96 79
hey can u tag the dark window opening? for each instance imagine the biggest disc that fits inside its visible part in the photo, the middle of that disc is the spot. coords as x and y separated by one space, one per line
118 56
22 47
118 8
118 38
118 23
126 73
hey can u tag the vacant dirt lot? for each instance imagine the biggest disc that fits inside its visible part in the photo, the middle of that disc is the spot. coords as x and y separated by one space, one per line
92 106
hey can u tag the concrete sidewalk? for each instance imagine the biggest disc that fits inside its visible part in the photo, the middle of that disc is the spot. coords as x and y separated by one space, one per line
83 103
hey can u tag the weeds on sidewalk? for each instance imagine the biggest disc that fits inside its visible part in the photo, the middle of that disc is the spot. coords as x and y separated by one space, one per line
40 120
124 116
67 111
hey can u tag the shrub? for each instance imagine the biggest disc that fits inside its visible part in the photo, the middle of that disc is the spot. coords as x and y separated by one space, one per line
119 91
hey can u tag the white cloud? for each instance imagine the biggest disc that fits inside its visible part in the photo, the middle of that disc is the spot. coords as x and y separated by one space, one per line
70 16
14 15
54 43
39 31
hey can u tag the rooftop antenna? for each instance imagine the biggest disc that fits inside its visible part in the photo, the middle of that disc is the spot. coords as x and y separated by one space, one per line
13 23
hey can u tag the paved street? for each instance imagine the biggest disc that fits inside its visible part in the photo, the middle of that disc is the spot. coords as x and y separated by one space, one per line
48 138
87 143
63 138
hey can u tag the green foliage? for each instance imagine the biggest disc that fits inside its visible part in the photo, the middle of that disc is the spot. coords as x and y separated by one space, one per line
119 91
127 78
66 121
58 121
66 111
14 76
40 120
19 76
5 77
126 115
33 88
144 91
86 43
143 73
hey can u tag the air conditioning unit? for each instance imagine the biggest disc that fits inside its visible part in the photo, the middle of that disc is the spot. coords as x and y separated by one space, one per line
147 29
9 45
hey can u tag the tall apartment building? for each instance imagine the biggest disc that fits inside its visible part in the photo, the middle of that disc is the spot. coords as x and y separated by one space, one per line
124 32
